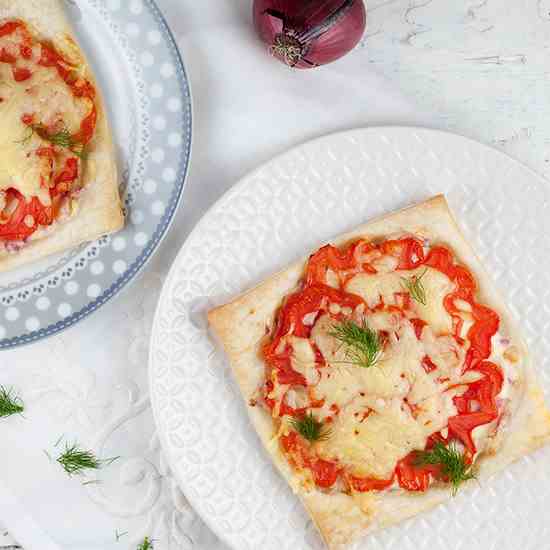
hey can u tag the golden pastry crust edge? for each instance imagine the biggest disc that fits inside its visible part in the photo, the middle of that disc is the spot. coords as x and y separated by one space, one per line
99 205
241 324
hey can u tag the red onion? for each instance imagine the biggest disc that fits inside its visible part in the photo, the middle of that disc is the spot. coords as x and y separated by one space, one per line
309 33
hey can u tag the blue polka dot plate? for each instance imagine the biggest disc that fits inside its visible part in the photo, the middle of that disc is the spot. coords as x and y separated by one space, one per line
143 80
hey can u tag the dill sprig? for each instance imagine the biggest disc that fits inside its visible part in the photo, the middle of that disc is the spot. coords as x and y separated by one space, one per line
363 345
75 460
61 138
118 535
10 402
310 428
453 464
27 137
147 544
415 287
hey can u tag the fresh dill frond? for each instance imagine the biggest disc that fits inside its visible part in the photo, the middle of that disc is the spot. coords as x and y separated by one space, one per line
118 535
147 544
310 428
363 346
10 402
75 460
62 138
453 464
415 287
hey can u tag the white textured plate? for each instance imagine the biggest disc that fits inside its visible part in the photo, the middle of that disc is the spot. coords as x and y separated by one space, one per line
281 212
146 91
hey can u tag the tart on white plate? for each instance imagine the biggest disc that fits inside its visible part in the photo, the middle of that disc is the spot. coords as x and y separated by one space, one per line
58 172
384 372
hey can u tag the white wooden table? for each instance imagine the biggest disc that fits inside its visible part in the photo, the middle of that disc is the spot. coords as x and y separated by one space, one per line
478 67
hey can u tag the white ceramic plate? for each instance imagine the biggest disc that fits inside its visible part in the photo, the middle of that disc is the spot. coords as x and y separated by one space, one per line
143 80
281 212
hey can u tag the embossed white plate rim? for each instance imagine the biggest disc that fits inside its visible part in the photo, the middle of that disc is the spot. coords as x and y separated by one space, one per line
234 190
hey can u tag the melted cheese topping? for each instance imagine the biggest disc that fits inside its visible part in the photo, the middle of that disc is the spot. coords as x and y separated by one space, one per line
51 101
384 285
303 359
387 410
372 287
371 447
434 313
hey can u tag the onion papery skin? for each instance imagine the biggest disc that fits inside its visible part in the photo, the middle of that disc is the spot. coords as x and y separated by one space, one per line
309 33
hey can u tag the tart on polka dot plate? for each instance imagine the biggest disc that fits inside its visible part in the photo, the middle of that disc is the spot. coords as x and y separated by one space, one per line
149 112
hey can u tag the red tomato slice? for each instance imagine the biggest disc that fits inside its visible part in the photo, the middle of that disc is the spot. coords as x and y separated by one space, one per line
6 57
308 301
480 334
325 473
329 257
15 229
363 484
413 477
441 258
418 325
484 392
21 74
428 365
10 27
409 251
65 179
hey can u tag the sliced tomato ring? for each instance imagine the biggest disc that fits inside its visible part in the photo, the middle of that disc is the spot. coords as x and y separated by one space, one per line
307 301
441 258
462 426
483 393
329 257
409 251
480 334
